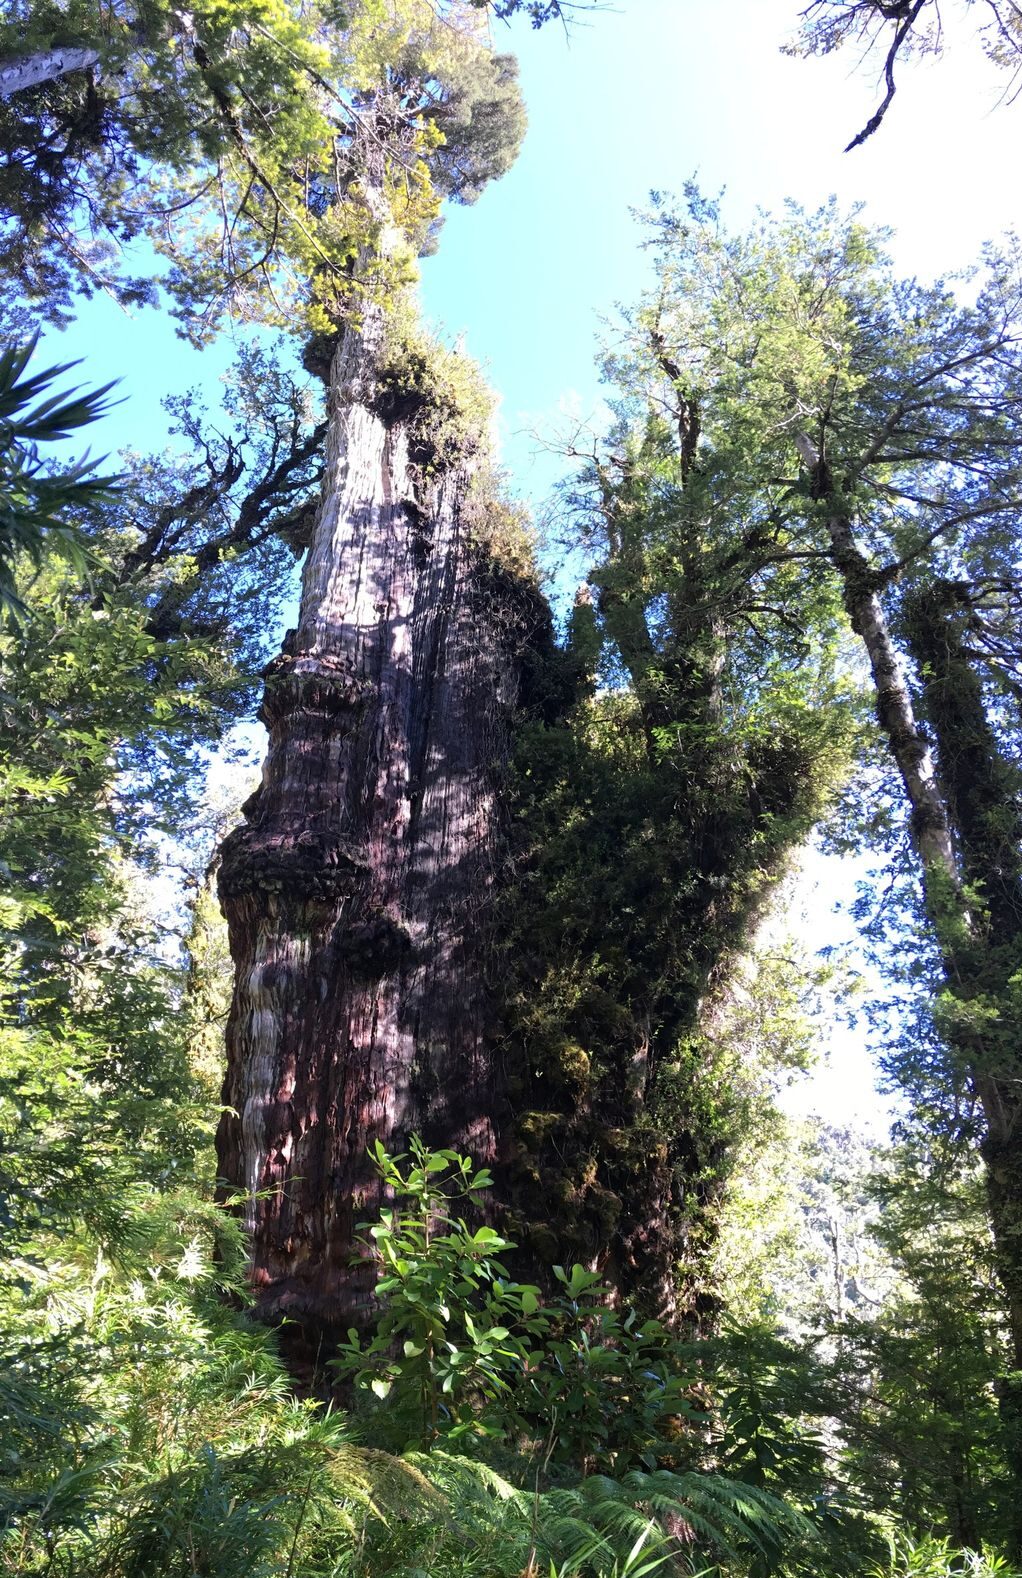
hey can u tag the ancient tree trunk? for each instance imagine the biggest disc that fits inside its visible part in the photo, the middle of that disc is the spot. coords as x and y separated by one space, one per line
356 891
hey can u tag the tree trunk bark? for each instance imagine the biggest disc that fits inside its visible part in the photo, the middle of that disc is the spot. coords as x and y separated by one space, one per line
982 793
972 805
357 890
909 747
28 71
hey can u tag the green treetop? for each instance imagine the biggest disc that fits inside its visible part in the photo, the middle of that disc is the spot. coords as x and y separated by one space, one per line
236 136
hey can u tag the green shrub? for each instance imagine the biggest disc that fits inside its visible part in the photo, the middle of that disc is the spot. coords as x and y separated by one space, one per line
454 1329
605 1387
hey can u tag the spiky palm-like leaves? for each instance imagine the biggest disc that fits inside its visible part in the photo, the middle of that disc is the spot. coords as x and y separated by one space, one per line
932 1558
35 500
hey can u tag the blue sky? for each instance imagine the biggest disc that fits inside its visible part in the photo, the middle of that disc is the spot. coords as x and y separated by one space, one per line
654 91
644 96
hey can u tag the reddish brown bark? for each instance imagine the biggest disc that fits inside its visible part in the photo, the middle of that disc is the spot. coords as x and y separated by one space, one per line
357 889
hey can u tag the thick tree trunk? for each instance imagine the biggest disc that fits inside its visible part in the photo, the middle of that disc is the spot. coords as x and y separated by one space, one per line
357 890
46 65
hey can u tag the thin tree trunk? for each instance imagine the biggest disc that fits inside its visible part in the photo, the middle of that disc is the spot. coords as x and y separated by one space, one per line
982 791
46 65
895 712
972 799
357 891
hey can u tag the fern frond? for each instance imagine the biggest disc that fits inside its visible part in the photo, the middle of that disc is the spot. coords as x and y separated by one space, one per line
459 1511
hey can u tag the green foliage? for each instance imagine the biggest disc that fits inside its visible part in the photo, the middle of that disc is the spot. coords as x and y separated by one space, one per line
857 433
483 123
767 1390
109 703
929 1558
148 1429
654 820
462 1350
924 1436
247 140
170 101
599 1529
93 693
890 1365
35 501
671 755
565 1389
209 982
443 1343
439 393
602 1387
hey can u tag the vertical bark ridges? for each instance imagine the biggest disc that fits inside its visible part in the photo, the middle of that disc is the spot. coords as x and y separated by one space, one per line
358 889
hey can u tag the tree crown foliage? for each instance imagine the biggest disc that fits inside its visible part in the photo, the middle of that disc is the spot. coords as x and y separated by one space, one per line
238 139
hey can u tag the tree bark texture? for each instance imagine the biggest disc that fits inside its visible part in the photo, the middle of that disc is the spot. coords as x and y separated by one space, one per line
28 71
357 889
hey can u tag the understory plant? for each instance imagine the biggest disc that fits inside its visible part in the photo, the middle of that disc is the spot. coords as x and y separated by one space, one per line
582 1424
454 1328
461 1349
932 1558
149 1430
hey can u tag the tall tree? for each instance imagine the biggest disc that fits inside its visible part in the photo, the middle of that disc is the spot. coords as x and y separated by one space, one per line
218 134
356 890
891 414
359 890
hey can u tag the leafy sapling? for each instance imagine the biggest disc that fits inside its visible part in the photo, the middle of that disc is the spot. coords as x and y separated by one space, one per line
454 1328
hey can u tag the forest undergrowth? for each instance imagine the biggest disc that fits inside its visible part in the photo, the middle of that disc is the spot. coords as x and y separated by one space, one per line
434 1216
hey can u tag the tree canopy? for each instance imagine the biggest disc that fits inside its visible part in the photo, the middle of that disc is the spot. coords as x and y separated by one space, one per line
511 890
224 135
